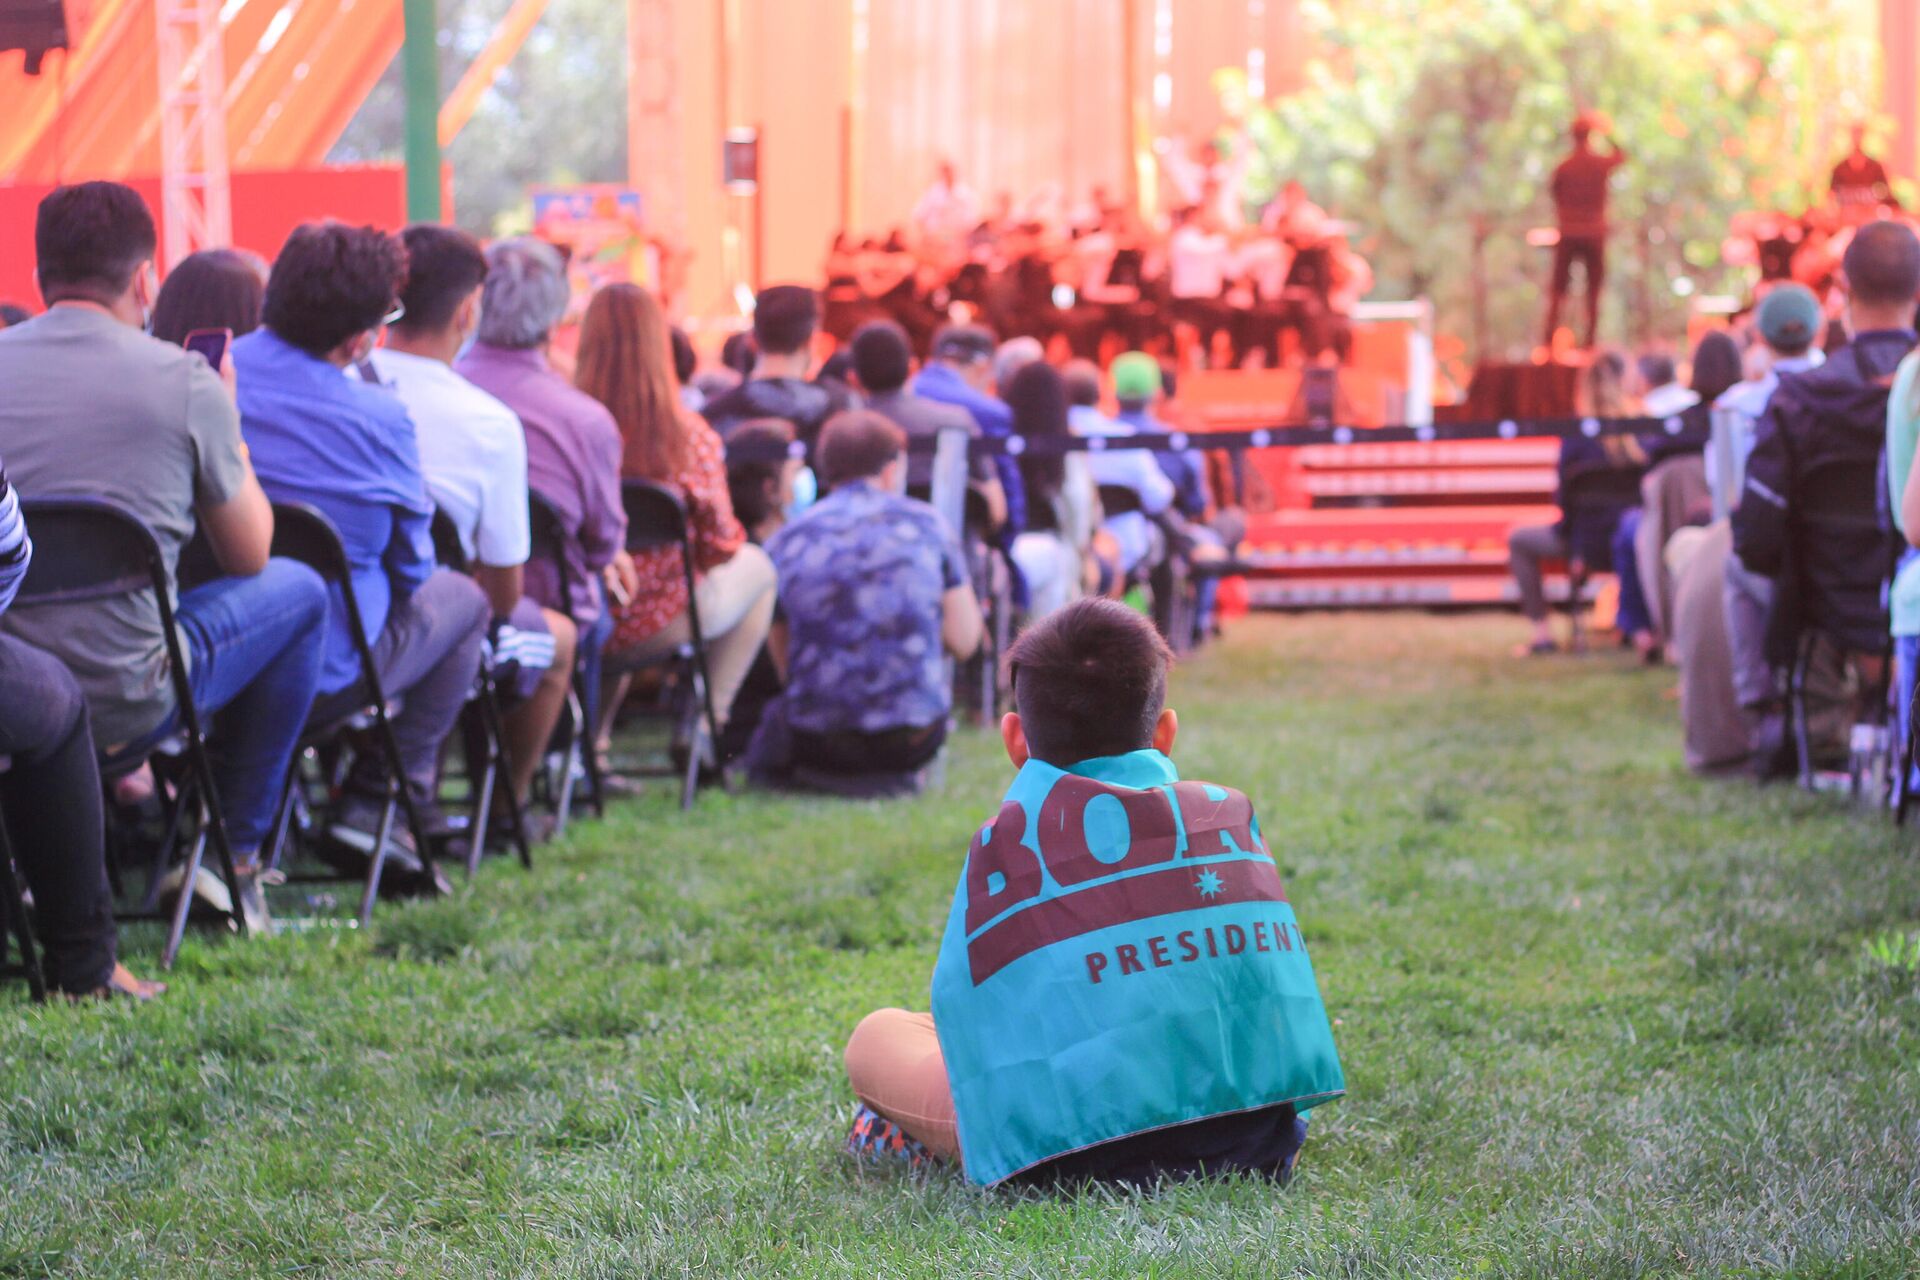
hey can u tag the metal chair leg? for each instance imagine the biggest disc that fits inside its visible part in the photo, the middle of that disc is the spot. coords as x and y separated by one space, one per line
13 903
377 863
569 763
1797 711
589 744
503 764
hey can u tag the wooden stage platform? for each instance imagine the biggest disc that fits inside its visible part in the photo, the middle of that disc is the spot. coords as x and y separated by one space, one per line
1375 525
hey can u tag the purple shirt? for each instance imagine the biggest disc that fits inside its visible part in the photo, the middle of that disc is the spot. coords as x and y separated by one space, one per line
573 461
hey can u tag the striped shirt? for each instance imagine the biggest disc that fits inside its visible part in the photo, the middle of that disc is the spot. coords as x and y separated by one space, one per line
16 549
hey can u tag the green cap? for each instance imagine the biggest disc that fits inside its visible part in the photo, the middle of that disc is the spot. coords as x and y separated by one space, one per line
1136 376
1789 317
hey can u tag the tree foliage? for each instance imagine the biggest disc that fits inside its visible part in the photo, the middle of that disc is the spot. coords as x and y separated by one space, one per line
1435 124
557 113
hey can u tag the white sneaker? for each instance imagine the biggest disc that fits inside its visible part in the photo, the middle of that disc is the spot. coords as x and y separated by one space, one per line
207 887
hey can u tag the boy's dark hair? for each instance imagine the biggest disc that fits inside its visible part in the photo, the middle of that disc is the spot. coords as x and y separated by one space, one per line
784 318
1883 263
444 266
684 360
738 353
1656 369
754 486
211 289
1082 379
332 281
882 357
89 240
856 444
1089 680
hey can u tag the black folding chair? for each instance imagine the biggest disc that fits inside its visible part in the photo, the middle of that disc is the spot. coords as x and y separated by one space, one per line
483 731
302 533
88 549
1592 500
14 921
574 735
657 519
1836 506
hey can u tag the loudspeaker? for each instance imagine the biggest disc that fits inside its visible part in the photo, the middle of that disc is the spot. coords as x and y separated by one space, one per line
35 26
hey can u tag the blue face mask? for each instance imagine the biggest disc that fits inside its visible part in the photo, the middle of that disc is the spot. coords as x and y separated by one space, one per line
805 490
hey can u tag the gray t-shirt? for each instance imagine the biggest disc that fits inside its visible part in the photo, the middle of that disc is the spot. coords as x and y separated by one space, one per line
90 407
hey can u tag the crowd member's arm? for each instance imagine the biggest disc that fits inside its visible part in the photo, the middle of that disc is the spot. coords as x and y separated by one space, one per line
780 647
409 558
504 585
227 497
960 621
1013 490
603 523
16 549
1760 520
502 540
716 529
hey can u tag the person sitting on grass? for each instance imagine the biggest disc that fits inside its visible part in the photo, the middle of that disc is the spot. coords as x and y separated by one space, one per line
1122 992
875 591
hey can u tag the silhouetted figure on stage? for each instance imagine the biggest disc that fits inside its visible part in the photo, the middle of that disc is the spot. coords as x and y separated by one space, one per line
1579 189
1860 183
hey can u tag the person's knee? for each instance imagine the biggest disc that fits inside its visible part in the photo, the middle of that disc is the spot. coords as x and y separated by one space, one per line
299 588
867 1043
460 600
566 639
756 568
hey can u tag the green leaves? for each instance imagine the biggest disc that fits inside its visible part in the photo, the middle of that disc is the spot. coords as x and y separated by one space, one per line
1431 121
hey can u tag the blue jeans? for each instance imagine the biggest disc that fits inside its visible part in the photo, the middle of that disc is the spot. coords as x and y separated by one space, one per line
255 647
1634 616
51 799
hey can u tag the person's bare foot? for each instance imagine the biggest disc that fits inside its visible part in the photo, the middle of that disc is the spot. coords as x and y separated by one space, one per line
134 789
122 985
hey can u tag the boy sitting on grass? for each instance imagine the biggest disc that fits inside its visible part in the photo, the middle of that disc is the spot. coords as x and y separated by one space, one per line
1122 991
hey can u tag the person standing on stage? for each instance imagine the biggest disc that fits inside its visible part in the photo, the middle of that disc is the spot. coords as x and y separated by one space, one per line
1859 182
1579 187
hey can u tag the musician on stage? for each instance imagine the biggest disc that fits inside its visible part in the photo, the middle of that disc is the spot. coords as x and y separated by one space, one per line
1579 188
1860 186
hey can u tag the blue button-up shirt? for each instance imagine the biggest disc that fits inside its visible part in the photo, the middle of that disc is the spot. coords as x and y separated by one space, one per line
323 438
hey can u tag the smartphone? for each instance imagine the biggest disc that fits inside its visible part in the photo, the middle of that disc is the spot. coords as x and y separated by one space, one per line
211 344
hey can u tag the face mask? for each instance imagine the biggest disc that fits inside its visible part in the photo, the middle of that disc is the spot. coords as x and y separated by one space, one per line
806 488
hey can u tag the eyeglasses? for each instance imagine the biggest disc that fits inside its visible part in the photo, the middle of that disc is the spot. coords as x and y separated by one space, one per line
393 317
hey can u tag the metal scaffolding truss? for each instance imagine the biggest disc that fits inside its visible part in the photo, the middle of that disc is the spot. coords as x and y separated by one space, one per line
196 210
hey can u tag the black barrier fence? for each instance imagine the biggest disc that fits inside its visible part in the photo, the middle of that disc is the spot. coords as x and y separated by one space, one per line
1266 437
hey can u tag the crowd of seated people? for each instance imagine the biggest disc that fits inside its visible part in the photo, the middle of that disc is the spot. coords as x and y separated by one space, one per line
405 387
1276 291
1760 536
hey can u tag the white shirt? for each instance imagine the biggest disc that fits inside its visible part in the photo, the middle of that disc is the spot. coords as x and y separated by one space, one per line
473 453
1664 402
1135 469
945 213
1197 262
1263 262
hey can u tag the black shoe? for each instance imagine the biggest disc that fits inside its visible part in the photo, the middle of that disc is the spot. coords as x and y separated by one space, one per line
1774 755
350 845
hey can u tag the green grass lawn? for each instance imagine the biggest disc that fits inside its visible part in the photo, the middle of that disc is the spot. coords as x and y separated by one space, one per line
1598 1019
